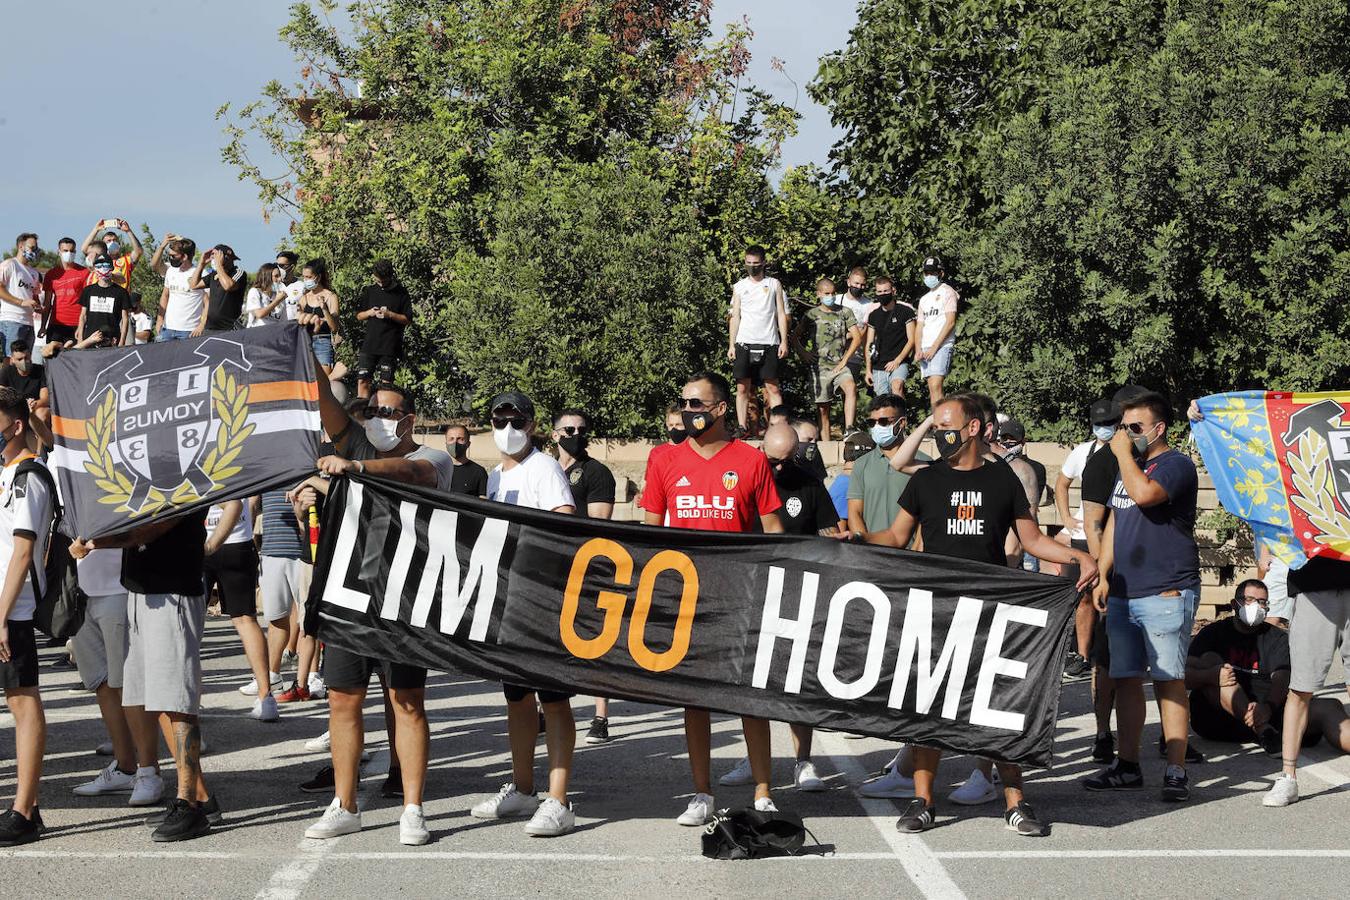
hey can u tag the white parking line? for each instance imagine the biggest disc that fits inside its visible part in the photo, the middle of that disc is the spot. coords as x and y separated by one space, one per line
923 867
1161 853
289 881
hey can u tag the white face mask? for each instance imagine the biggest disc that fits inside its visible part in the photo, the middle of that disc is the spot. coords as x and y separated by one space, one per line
1103 433
931 281
113 247
510 440
1252 614
383 433
67 257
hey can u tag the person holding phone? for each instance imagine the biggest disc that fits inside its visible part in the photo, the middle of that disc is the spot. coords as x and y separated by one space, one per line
386 309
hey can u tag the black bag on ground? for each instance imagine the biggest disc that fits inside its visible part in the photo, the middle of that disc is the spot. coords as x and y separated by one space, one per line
60 608
747 833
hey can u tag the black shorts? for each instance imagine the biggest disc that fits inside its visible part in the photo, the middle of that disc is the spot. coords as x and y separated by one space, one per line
1076 544
515 692
1099 653
1213 723
756 361
373 363
22 669
233 569
58 332
347 671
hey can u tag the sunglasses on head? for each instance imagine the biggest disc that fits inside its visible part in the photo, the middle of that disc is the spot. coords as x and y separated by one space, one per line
884 421
695 404
571 430
517 421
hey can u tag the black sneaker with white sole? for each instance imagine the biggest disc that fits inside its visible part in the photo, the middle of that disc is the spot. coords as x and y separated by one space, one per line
1119 776
211 807
183 823
599 731
1022 819
16 828
322 783
918 817
1076 667
1176 786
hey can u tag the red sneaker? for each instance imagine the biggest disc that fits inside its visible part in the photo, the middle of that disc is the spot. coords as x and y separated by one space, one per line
293 693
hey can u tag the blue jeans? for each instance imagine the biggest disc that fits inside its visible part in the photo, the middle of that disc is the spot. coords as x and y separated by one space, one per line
882 380
15 331
323 349
1030 563
172 334
940 364
1150 634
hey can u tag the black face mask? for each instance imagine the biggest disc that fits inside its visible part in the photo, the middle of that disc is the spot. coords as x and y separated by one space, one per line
755 270
459 451
950 441
885 299
175 261
676 435
574 444
697 422
854 292
807 457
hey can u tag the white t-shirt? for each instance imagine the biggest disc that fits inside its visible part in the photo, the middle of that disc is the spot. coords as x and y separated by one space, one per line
1073 468
23 282
934 307
100 573
256 299
759 310
25 509
243 526
861 309
183 310
140 321
537 481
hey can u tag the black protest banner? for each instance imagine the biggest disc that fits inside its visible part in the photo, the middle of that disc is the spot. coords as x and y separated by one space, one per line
147 432
941 652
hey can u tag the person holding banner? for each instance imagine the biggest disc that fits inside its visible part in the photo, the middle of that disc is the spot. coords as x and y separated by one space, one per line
714 482
964 506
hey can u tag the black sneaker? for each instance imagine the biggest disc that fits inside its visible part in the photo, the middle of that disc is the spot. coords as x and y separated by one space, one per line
16 828
1116 777
211 807
64 661
1104 749
1193 755
1022 819
1176 788
918 817
321 783
183 823
1271 741
599 732
543 723
393 783
1076 667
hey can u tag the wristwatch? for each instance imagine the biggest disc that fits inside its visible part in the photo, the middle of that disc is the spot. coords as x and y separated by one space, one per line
360 467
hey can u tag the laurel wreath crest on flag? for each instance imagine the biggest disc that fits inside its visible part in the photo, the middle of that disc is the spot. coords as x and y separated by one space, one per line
230 401
1314 493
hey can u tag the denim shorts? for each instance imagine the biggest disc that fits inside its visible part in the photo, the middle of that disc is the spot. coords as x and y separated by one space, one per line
323 349
1151 634
15 331
172 334
940 364
882 380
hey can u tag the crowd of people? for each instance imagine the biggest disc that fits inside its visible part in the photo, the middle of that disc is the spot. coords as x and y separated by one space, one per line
1248 678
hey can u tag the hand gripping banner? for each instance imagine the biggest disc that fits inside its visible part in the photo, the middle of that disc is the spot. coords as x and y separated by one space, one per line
1281 462
941 652
148 432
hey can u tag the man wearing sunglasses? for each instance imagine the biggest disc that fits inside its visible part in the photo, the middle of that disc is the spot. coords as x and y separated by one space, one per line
875 486
593 495
1150 555
713 482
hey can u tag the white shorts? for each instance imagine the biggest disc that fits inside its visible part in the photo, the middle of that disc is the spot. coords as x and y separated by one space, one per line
281 586
100 646
940 364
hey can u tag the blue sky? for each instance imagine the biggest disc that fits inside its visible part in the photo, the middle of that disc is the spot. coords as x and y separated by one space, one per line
116 118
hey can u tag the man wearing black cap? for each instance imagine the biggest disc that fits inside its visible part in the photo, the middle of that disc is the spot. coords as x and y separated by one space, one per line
226 285
527 477
937 328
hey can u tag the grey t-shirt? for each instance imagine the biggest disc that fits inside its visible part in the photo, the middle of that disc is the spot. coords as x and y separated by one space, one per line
359 447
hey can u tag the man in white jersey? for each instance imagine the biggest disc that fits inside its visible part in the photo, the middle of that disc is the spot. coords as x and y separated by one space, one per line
937 327
182 309
757 337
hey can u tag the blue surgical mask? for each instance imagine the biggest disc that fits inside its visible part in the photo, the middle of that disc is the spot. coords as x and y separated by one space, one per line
310 283
113 247
1103 433
884 435
830 300
931 281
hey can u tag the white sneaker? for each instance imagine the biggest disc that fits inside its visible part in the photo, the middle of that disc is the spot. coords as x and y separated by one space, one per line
1283 792
765 804
739 775
265 710
335 822
252 686
321 744
317 689
976 790
699 811
147 787
508 803
888 785
806 778
551 819
109 781
412 826
104 749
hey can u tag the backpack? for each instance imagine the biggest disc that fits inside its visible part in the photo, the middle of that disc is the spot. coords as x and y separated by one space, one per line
747 833
60 609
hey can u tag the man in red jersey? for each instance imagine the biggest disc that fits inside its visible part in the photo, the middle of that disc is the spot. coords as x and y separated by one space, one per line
63 284
713 482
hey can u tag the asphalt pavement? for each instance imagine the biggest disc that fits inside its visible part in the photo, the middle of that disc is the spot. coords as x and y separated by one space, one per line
627 793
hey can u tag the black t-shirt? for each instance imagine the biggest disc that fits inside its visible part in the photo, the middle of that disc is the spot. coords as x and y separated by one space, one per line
469 478
104 307
807 507
171 563
29 385
591 482
890 327
384 337
1099 476
1041 477
965 514
1254 656
223 307
1319 574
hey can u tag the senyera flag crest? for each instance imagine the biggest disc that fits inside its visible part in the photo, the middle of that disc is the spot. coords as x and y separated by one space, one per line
154 430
